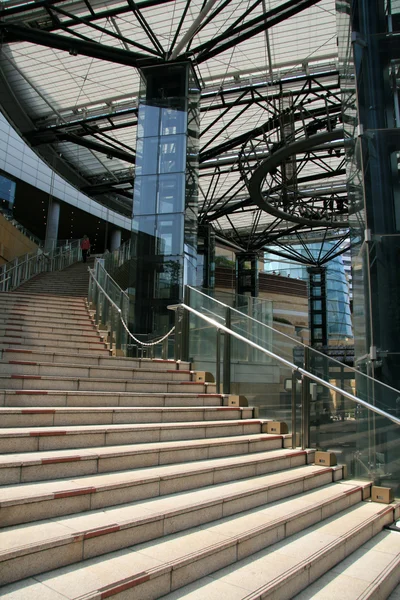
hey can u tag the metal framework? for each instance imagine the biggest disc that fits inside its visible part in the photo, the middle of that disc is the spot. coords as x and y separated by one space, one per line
247 110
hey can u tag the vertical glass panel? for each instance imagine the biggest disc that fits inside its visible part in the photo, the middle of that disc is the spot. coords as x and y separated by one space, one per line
147 150
172 154
145 195
171 193
148 121
170 234
172 121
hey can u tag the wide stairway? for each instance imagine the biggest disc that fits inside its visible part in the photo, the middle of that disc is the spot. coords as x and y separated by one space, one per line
131 479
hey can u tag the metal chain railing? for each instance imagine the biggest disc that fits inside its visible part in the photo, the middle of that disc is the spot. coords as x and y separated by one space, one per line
111 306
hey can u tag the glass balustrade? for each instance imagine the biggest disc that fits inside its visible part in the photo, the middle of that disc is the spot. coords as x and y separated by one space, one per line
369 444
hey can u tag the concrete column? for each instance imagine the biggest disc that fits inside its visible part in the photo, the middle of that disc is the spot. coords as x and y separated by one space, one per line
53 218
115 239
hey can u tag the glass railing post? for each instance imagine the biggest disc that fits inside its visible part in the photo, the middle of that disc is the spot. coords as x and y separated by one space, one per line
218 361
294 409
178 333
305 403
185 327
118 328
226 373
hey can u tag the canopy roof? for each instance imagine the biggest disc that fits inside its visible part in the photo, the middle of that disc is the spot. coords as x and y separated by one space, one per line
74 69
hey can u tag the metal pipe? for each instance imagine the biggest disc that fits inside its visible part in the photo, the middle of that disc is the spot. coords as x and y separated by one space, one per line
218 363
294 411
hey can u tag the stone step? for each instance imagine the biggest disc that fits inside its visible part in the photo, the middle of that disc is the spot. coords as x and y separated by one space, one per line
49 344
41 311
43 466
33 439
9 319
242 551
97 532
116 371
9 354
46 382
16 298
52 398
55 417
290 565
85 335
50 499
46 327
370 573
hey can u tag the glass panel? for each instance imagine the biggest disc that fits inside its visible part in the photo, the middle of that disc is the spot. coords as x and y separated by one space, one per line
367 443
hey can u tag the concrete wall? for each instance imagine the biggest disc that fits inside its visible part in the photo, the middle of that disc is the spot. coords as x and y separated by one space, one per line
12 242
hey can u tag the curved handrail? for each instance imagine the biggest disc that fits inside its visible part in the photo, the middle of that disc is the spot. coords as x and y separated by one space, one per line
287 363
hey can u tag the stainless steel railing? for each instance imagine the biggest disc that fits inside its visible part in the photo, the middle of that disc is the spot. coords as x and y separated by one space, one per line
298 373
23 268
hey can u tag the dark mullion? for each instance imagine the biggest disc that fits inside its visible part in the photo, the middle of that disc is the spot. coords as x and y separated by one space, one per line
217 135
89 7
117 36
146 28
208 20
250 29
223 113
178 29
68 44
23 8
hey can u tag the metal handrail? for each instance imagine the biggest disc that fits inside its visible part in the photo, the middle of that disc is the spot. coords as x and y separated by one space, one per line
287 363
298 343
23 268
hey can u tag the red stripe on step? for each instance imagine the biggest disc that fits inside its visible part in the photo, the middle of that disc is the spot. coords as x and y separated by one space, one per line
328 470
14 329
350 492
253 422
209 395
227 408
124 586
30 392
103 531
192 383
178 371
301 453
18 350
46 433
71 493
52 461
38 411
9 334
21 362
266 438
26 377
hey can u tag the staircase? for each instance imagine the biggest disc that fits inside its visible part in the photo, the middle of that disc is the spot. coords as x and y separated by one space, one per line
126 478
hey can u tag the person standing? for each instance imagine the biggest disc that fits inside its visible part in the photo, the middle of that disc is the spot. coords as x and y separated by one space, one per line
85 247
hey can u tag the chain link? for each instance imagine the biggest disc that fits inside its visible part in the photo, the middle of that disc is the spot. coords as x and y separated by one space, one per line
146 343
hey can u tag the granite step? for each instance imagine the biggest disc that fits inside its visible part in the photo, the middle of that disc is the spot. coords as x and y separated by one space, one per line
42 466
243 552
54 398
83 335
33 439
32 320
50 344
47 382
370 573
96 533
45 300
50 499
9 354
54 417
114 371
46 327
